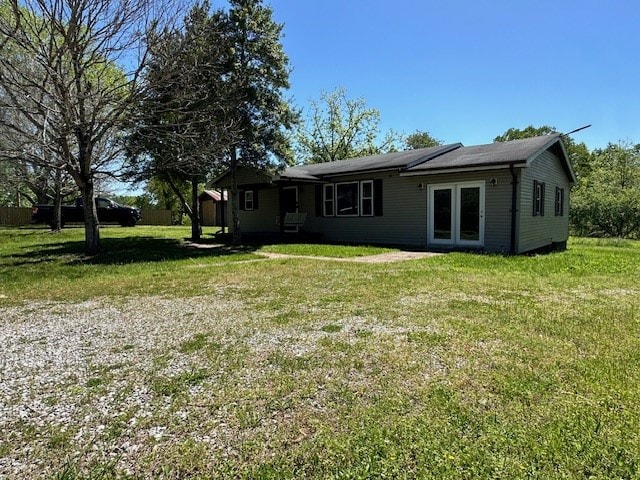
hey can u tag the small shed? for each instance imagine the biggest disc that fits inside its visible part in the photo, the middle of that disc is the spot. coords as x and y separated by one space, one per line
212 208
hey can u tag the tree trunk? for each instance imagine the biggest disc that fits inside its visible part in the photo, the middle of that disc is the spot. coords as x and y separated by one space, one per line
196 229
91 223
56 221
236 238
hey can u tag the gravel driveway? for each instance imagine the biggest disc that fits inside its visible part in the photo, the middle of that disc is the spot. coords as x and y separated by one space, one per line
67 371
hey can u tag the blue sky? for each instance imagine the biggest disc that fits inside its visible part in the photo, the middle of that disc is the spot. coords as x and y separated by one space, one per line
469 70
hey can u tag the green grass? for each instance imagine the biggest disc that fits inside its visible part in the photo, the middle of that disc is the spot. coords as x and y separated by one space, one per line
140 260
455 366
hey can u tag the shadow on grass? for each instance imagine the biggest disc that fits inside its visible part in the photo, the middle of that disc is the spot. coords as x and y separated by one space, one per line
129 250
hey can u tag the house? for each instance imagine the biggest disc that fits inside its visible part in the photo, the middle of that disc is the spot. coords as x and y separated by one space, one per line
212 207
510 197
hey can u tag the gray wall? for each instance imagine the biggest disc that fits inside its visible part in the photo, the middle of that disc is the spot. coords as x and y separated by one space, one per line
540 231
404 219
262 219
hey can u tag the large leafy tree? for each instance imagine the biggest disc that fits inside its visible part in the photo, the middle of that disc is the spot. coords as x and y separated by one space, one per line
258 76
420 139
69 71
607 199
183 125
337 127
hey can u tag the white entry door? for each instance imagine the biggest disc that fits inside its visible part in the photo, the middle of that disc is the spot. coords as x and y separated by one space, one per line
456 214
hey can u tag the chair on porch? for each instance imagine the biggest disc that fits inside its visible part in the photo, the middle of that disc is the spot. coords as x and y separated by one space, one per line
295 219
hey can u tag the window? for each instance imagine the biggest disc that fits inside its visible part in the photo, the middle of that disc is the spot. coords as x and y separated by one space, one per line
538 198
248 200
366 198
559 202
328 201
347 199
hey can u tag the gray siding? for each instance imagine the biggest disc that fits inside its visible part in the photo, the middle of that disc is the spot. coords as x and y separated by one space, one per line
404 219
540 231
244 176
497 210
262 219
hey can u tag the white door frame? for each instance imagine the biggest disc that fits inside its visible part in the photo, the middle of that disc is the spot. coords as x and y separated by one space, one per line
455 189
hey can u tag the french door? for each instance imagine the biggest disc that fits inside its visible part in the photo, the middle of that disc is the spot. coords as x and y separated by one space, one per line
456 214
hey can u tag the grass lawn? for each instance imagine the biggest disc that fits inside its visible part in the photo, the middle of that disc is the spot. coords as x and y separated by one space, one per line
158 360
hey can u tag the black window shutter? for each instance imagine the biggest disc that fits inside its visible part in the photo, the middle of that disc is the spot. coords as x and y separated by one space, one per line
255 199
377 197
241 195
535 198
319 200
542 199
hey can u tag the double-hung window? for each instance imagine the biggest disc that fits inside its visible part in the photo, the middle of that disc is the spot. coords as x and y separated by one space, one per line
559 202
366 198
328 200
248 200
538 198
347 199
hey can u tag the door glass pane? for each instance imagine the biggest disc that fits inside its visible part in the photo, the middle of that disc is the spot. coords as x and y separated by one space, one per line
442 214
470 213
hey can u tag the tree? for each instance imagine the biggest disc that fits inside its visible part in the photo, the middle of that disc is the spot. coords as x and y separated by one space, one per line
527 132
607 199
183 126
258 76
337 127
420 139
59 72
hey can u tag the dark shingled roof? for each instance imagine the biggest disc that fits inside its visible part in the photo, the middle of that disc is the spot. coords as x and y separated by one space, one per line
499 153
387 161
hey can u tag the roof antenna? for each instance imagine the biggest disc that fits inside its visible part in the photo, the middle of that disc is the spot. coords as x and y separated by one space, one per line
574 131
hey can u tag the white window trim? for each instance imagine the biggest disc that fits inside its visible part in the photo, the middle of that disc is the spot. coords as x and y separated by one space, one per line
538 198
325 187
248 199
363 198
559 204
338 214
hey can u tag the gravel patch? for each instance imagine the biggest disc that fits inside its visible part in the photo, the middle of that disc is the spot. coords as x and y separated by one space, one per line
120 382
67 371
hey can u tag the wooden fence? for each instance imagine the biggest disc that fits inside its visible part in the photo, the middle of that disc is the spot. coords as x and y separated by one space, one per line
15 216
155 217
22 216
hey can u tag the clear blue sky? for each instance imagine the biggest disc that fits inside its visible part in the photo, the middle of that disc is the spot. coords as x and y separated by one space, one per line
469 70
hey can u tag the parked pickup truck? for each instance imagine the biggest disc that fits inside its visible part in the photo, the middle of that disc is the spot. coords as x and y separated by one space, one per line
108 212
